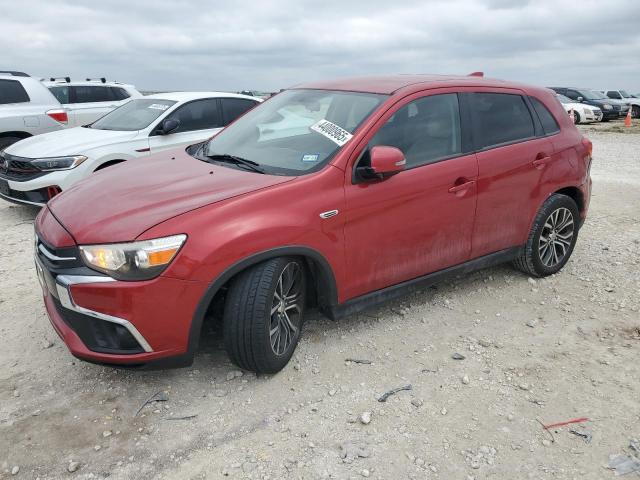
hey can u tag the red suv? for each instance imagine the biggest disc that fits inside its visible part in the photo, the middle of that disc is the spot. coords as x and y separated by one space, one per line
335 195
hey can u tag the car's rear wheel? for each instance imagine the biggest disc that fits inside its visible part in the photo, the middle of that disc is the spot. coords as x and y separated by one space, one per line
263 314
635 111
576 117
552 238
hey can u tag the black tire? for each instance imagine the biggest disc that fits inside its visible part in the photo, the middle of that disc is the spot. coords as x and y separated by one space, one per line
248 317
576 117
538 264
6 141
635 111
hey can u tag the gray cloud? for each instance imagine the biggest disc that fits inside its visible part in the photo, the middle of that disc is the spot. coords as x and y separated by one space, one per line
229 45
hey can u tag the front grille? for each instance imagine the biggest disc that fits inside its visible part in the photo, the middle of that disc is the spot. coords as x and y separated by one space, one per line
58 259
18 168
98 335
616 107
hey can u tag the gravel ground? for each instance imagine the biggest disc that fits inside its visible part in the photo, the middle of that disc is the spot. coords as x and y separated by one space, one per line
534 351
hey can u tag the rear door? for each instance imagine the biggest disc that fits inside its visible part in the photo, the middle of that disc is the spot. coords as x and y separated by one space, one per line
420 220
199 120
87 103
513 156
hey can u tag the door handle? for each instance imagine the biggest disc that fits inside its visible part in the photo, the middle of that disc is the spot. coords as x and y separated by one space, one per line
459 187
541 160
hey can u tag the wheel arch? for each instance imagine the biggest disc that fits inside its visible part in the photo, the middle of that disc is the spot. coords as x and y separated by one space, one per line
18 134
109 163
324 283
575 194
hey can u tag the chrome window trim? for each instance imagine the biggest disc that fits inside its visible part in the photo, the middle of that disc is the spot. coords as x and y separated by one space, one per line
63 282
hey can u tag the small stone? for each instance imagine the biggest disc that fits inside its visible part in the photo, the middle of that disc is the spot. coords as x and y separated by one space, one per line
97 447
483 342
532 281
523 386
332 392
16 393
46 343
458 356
107 433
510 417
365 418
365 473
443 411
15 470
532 323
416 402
465 380
73 466
546 443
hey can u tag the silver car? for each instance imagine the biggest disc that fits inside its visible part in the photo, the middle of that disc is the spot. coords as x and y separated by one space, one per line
27 108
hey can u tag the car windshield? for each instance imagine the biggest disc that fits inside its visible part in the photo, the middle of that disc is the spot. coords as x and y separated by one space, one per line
133 115
296 131
591 95
625 94
564 99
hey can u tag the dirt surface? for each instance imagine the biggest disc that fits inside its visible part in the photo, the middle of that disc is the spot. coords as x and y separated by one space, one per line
534 350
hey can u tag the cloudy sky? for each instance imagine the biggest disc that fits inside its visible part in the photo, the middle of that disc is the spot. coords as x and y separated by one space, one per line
267 45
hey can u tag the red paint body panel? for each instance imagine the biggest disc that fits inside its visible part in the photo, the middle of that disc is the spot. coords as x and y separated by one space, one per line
386 231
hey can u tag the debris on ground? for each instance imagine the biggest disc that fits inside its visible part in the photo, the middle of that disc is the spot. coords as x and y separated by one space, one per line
568 422
351 451
623 464
358 360
186 417
384 396
458 356
156 397
586 435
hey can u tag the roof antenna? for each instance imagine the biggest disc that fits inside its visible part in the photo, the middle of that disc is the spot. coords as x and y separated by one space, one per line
476 74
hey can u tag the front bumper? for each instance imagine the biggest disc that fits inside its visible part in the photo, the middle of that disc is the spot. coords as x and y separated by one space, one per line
102 320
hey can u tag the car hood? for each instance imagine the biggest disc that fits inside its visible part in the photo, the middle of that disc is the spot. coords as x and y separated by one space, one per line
119 203
69 141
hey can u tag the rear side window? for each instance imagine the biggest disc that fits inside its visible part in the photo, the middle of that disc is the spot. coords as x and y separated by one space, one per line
232 108
548 121
61 93
198 115
119 93
12 92
91 94
500 118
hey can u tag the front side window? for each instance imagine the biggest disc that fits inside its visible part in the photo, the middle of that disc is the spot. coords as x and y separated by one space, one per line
134 115
614 94
232 108
198 115
500 118
548 121
91 94
12 92
296 131
425 130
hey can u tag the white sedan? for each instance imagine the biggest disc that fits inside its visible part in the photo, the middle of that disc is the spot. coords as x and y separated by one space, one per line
582 113
37 168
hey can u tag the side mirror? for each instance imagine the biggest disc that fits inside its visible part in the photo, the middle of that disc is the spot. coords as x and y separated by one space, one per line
385 162
170 125
580 99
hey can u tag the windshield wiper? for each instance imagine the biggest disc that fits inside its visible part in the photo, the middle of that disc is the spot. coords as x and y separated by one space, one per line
225 157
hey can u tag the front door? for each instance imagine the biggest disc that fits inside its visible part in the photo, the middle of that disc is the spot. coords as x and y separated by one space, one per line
420 220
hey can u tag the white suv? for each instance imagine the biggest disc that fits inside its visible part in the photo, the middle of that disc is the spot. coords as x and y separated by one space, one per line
86 101
27 108
622 95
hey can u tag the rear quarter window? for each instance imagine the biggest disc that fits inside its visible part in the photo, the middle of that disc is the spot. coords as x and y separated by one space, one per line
500 118
548 121
12 91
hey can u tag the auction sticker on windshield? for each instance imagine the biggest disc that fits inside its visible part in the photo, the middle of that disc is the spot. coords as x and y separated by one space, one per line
158 106
332 131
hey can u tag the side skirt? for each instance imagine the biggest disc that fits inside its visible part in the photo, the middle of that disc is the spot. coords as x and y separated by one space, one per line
355 305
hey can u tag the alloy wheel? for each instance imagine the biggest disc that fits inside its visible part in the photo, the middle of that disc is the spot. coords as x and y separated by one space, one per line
556 237
286 309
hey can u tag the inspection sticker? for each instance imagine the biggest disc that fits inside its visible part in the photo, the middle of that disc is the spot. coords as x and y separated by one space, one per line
158 106
332 131
310 157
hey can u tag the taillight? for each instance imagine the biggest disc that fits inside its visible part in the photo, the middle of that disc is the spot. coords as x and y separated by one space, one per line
59 116
588 145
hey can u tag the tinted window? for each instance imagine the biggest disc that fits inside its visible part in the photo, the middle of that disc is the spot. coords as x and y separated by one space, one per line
500 118
613 94
232 108
133 115
61 93
119 93
426 130
90 94
549 124
198 115
12 92
573 94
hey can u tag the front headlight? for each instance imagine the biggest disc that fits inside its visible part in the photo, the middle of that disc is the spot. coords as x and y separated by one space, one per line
58 163
133 261
606 106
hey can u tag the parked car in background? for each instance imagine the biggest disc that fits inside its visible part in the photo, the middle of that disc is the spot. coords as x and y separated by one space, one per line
611 110
86 101
27 108
582 113
342 214
623 96
34 170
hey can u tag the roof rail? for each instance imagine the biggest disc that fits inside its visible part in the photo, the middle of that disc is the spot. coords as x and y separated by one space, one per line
14 73
476 74
55 79
101 79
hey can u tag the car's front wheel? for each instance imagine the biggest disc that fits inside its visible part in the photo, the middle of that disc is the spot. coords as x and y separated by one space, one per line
552 238
263 314
576 117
